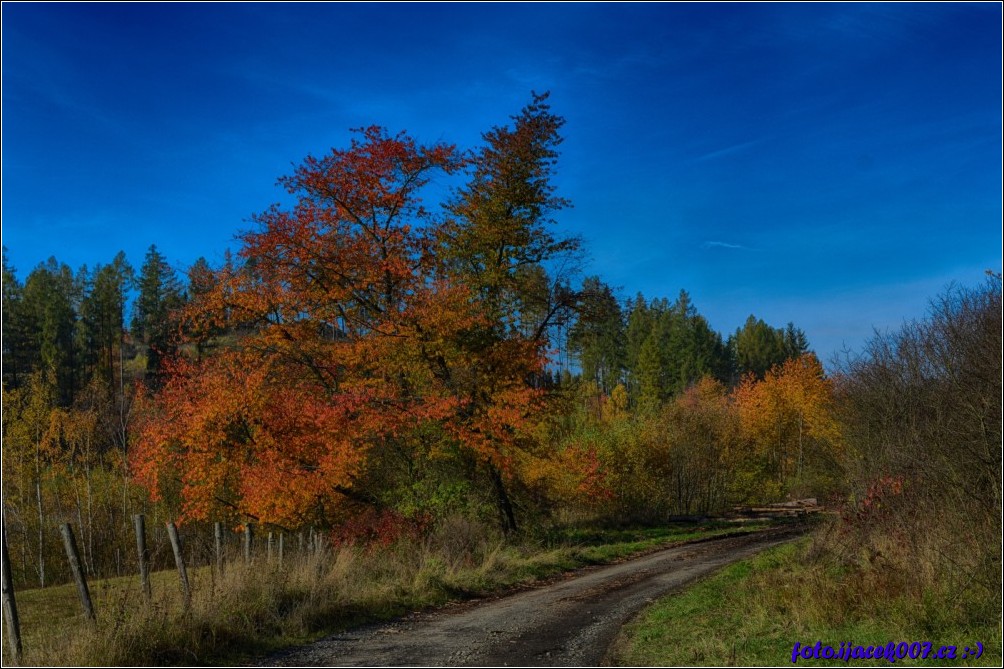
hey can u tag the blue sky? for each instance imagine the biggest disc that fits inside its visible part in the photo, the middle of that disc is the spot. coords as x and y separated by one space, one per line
835 165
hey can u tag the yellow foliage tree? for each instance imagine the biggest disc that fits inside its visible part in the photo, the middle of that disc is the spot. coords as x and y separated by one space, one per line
788 423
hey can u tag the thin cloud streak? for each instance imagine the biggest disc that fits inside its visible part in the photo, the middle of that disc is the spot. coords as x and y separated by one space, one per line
729 150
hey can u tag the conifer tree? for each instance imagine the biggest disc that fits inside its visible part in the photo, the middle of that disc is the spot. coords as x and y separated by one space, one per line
102 318
597 336
155 319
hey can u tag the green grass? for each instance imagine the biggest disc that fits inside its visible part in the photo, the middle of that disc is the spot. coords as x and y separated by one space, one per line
754 611
253 610
601 546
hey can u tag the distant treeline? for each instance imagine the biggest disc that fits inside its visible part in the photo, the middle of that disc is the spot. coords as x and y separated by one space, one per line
73 327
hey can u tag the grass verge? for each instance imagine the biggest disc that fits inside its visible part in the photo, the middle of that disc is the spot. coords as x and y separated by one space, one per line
257 608
751 613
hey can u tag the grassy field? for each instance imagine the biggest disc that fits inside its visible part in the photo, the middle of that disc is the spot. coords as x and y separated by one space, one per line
265 606
754 611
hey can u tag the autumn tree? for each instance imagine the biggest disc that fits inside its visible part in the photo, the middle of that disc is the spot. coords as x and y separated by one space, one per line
789 419
371 337
498 241
682 457
27 412
331 299
501 222
702 431
202 329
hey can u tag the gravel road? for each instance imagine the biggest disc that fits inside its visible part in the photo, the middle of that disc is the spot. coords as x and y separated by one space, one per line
572 622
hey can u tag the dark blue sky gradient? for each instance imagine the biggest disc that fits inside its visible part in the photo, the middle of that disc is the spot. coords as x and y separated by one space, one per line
835 165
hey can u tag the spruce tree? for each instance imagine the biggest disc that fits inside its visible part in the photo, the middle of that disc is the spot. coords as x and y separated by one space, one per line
155 318
598 336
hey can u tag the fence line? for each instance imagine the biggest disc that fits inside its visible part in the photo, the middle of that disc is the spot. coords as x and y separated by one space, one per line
274 547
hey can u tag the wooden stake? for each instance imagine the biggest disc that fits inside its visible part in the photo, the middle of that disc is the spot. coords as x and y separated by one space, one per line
10 604
144 555
172 533
218 538
78 574
247 543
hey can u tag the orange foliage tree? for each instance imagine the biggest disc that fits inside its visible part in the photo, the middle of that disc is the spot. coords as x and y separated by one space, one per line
358 333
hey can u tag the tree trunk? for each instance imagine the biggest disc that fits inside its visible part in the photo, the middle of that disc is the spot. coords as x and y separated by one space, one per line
507 517
41 532
90 521
799 444
80 524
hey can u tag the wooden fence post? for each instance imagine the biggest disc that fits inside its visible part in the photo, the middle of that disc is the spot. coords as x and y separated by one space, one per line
218 537
280 548
78 575
10 603
144 555
172 533
269 549
247 543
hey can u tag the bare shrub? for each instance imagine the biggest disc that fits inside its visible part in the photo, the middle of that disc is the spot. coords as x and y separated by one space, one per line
922 416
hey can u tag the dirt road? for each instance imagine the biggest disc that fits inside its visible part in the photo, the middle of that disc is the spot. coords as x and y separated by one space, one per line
571 622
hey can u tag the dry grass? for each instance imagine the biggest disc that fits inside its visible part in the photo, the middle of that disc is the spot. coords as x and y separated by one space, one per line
252 609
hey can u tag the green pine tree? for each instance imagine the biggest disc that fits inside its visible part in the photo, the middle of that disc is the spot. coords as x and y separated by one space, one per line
155 315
